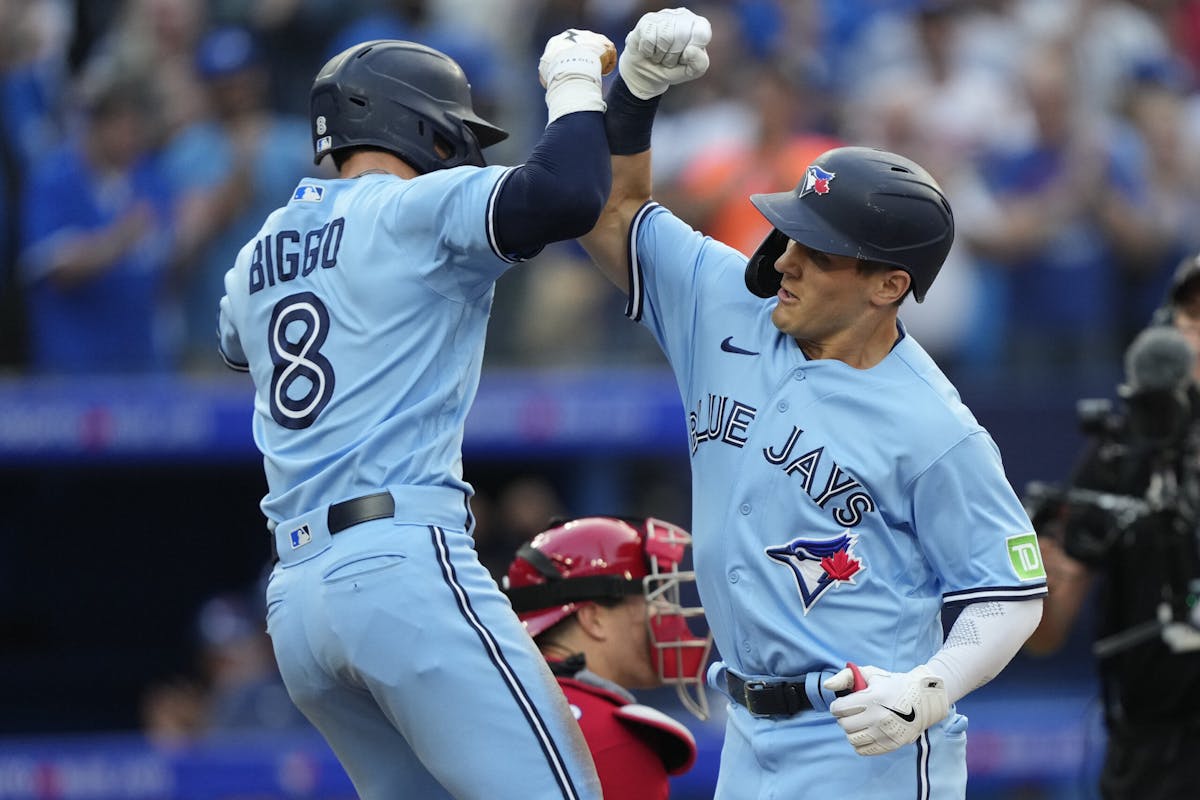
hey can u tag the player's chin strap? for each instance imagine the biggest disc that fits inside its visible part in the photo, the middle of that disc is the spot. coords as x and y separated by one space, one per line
558 591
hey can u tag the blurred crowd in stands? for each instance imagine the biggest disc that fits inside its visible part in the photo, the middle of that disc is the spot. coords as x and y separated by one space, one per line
145 139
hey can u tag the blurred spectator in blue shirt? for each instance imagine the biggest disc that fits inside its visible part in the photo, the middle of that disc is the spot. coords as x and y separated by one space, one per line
293 35
32 69
97 240
229 169
158 38
1045 236
1153 218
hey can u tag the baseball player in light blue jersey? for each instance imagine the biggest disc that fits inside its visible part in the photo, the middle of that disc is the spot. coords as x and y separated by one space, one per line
360 310
843 496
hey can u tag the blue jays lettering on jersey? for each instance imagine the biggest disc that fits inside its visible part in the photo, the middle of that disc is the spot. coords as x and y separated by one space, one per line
315 305
806 525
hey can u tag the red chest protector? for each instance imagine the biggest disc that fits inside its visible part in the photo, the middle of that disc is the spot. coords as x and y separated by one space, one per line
635 747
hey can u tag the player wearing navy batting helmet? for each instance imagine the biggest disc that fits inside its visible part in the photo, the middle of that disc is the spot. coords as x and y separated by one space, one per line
843 497
402 97
359 310
887 210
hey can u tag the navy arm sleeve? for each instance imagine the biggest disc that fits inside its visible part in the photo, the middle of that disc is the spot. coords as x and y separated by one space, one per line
560 191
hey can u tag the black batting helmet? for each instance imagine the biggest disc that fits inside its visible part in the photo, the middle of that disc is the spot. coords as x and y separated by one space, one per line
1185 281
862 203
1182 291
401 97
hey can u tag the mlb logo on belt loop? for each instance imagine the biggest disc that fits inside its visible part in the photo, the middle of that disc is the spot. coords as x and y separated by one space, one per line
300 537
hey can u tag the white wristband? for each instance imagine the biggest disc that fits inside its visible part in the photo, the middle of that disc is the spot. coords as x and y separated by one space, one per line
572 94
573 83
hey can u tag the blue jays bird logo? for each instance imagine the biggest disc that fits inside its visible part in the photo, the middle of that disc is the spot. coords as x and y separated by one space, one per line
819 564
816 180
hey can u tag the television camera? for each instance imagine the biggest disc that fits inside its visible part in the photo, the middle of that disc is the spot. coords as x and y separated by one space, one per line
1144 480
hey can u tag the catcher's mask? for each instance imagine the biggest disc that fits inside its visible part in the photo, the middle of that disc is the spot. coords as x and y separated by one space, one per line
597 558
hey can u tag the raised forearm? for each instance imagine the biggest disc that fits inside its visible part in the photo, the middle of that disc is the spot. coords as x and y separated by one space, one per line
664 48
608 241
86 255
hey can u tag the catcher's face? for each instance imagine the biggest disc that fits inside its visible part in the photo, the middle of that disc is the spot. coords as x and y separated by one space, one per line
629 647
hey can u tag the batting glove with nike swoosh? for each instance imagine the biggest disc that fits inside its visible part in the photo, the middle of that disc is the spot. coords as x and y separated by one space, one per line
665 48
892 711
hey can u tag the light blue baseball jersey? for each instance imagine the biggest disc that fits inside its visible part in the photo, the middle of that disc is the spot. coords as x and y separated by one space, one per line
366 354
360 308
835 510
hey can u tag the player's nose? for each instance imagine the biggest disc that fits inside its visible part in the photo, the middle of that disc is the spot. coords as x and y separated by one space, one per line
789 262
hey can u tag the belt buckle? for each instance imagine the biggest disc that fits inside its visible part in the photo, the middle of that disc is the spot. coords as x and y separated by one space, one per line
750 691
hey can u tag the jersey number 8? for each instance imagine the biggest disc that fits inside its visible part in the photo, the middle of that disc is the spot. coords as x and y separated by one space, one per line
302 381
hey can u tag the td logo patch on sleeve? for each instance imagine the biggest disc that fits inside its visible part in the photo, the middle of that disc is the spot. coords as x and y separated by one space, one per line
1026 557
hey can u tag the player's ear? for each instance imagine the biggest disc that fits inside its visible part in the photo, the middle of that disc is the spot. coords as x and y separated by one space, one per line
891 287
592 620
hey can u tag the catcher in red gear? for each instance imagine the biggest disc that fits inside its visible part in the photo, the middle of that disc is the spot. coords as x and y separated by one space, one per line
601 597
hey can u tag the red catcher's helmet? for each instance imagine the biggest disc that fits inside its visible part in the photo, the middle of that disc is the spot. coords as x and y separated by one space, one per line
598 558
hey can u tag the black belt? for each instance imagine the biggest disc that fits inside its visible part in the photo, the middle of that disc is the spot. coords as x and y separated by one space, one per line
781 698
349 513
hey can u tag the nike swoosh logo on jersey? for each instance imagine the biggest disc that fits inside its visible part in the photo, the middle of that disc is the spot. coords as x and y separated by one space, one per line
728 347
909 717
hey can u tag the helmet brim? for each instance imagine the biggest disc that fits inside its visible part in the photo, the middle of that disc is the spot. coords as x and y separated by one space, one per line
793 218
536 622
485 132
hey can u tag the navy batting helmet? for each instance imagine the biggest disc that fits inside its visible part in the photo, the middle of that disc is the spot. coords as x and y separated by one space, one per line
401 97
862 203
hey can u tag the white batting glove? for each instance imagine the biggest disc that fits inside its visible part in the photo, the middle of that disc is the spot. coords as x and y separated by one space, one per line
892 711
665 48
570 68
